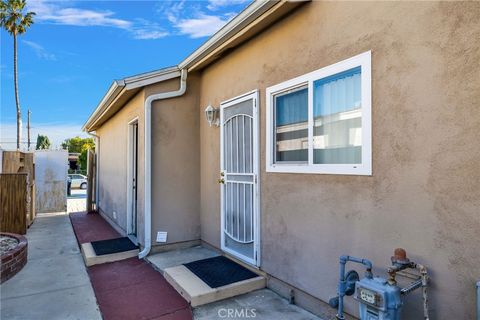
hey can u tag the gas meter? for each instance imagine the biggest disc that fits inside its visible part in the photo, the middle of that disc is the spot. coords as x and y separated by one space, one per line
379 298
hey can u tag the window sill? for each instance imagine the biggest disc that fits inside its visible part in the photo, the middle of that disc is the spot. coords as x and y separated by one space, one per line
359 170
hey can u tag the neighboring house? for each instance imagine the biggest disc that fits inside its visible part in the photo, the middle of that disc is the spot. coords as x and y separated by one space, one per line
346 128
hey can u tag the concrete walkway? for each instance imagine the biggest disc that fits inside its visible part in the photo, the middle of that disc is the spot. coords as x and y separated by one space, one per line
129 289
77 201
91 227
132 290
54 284
261 304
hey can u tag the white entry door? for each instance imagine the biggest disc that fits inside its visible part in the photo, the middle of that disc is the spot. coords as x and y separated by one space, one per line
239 177
132 177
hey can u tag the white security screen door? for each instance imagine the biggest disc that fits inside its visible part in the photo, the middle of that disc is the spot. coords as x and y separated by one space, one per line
239 177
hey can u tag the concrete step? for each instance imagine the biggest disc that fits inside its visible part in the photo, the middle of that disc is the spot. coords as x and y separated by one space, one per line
91 258
197 292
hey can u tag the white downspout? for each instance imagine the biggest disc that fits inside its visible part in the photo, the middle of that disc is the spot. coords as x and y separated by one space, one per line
148 158
97 168
478 300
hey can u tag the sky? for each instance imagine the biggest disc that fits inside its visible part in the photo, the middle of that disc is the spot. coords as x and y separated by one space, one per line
75 49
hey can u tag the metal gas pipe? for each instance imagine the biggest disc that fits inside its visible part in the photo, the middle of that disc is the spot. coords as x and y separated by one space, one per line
380 298
346 284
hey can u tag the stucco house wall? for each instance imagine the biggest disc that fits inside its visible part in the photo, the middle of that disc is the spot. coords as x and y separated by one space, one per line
175 162
423 194
113 163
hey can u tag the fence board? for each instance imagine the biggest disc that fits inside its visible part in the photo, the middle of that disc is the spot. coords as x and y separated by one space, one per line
22 162
13 202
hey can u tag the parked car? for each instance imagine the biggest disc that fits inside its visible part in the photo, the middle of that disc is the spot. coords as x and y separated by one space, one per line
78 181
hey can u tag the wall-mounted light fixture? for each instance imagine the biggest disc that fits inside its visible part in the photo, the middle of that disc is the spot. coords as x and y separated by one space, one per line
211 113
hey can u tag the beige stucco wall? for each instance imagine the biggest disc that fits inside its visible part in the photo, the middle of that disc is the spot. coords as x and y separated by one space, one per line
175 162
113 163
424 194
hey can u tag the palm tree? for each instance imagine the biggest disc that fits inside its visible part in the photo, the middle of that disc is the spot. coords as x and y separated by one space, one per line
16 23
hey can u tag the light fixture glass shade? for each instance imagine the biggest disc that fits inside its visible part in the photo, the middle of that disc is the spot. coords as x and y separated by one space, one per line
211 114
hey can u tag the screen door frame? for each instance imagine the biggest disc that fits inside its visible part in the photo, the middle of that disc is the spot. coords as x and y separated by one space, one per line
254 96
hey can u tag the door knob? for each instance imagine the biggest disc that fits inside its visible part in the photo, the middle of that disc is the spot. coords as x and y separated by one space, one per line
221 181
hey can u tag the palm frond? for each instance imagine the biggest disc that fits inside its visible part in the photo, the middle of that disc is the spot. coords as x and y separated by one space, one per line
3 13
26 22
12 18
3 7
18 5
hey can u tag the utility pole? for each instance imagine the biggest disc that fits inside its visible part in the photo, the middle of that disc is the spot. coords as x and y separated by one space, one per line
28 128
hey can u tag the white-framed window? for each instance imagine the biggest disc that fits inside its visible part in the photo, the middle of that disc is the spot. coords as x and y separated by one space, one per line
321 122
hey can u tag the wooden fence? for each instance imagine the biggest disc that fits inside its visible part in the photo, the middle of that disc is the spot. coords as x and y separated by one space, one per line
22 162
14 204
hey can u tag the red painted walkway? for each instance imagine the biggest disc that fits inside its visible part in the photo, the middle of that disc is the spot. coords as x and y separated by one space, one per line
91 227
131 288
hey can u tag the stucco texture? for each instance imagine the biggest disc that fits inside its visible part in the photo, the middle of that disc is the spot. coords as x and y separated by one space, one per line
113 164
423 194
175 162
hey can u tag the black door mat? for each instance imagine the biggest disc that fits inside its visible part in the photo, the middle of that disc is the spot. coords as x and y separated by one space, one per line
219 271
110 246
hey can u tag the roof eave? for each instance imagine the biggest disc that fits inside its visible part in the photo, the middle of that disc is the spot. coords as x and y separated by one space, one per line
119 87
146 79
198 59
112 92
250 13
257 15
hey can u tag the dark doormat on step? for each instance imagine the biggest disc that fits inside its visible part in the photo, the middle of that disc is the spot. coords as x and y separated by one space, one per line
113 246
219 271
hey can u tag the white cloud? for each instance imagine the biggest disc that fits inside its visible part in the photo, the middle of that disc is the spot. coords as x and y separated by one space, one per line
197 19
173 9
146 30
56 132
201 26
145 34
53 12
215 4
82 17
187 18
40 51
59 12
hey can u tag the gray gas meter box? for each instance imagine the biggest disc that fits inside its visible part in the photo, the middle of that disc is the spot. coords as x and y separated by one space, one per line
379 298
